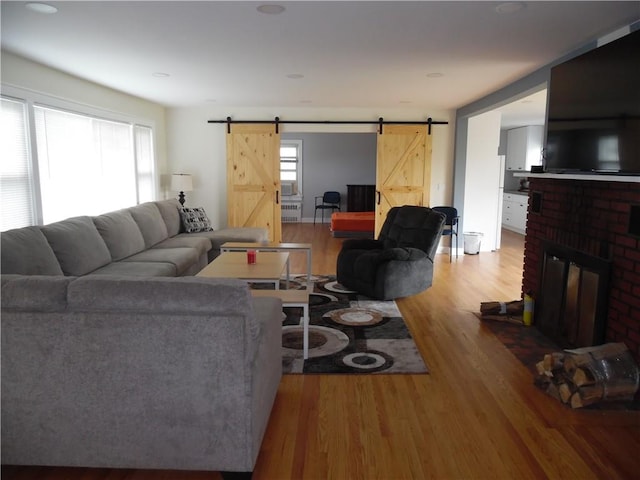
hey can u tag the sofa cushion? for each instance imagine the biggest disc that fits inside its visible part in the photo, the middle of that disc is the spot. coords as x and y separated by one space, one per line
77 244
121 234
138 269
169 210
183 258
35 293
239 234
195 220
150 222
202 244
26 251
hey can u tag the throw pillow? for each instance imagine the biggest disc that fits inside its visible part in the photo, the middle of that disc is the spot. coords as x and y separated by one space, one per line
195 220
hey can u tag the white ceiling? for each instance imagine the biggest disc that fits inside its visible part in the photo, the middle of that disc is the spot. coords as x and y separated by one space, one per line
349 54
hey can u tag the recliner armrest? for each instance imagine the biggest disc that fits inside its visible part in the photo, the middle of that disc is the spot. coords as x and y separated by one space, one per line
362 244
402 253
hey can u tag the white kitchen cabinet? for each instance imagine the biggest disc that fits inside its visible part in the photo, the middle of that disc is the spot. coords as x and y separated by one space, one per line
514 212
524 147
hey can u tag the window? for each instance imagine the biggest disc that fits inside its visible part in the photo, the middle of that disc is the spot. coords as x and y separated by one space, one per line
143 137
16 179
86 165
81 164
291 164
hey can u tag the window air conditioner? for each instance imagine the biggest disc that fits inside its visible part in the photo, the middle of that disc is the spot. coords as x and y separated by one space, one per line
287 189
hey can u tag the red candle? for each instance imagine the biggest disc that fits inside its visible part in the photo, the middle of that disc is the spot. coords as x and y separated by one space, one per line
251 256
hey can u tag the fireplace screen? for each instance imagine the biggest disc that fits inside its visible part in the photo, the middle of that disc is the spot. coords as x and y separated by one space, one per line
571 308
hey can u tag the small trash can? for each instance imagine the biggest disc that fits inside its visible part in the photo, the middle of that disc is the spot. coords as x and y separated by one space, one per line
472 242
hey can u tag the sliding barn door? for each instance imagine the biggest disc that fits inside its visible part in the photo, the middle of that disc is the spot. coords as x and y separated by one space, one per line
403 169
253 178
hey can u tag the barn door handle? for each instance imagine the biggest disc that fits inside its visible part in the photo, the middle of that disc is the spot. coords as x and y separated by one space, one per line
378 193
277 197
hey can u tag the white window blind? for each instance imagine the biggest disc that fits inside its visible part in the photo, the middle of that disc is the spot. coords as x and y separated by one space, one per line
86 164
144 163
291 162
16 179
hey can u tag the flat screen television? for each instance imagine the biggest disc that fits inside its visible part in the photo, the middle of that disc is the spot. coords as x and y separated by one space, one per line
593 114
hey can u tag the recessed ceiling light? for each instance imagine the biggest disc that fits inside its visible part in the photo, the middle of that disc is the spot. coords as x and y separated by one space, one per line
271 9
435 75
295 76
41 8
160 75
510 7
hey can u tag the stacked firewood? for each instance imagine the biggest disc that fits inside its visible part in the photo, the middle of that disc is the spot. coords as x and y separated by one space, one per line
510 312
589 375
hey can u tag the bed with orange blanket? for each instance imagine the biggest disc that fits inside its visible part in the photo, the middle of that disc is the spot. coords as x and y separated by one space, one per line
353 224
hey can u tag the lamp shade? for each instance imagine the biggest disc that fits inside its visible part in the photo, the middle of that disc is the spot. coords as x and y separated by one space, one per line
181 182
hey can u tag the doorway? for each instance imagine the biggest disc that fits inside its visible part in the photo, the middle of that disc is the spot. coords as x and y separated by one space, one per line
527 109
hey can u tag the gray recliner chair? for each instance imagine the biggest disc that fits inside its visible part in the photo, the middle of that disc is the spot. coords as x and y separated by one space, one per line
400 262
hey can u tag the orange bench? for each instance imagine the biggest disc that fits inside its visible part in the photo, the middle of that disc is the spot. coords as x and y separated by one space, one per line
352 224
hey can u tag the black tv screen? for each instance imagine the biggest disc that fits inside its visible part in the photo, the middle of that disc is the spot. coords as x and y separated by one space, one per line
593 116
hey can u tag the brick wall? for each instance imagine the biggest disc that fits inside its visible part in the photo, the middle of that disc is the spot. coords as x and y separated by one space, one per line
592 217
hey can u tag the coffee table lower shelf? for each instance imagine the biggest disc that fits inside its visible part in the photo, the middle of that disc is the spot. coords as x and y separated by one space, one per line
292 298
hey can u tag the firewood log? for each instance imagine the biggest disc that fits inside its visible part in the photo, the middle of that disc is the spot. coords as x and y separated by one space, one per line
585 396
585 357
583 376
565 392
515 307
601 351
553 361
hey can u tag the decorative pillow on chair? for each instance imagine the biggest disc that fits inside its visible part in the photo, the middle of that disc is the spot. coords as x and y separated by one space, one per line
195 220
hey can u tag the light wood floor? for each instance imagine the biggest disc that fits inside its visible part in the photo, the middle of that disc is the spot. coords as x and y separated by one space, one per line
477 415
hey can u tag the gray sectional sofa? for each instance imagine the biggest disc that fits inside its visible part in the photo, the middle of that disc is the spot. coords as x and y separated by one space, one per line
114 356
144 240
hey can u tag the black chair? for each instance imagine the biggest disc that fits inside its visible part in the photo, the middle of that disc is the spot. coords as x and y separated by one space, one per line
450 227
400 262
329 201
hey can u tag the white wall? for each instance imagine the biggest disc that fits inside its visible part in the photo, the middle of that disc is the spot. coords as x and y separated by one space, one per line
24 74
186 143
199 148
481 194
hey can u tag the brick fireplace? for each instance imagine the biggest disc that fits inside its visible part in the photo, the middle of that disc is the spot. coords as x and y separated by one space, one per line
599 219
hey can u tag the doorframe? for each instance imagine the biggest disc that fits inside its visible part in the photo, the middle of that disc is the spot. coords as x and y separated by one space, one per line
524 87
